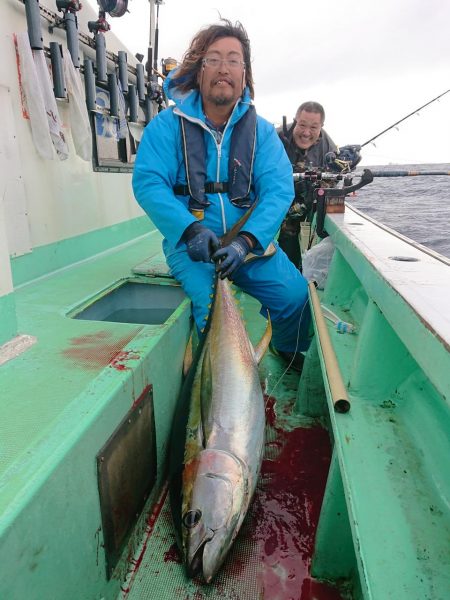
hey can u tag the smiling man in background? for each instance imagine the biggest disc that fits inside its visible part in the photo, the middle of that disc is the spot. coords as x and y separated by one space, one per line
305 140
306 144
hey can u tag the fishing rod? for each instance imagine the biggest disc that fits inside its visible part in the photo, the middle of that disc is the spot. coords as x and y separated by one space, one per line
151 41
404 119
155 54
403 173
317 175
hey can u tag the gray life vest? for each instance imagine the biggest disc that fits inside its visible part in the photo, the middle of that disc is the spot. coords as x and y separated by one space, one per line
240 164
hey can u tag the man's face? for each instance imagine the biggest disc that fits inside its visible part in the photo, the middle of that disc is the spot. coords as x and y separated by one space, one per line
222 76
307 129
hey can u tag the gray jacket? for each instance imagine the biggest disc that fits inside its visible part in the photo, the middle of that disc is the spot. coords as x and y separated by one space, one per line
313 156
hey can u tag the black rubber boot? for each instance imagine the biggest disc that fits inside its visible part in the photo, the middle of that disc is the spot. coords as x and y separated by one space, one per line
289 244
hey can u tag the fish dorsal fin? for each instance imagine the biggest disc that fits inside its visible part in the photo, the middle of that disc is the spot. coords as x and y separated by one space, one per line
262 345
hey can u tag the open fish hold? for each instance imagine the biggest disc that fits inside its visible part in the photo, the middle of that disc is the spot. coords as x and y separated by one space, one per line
217 438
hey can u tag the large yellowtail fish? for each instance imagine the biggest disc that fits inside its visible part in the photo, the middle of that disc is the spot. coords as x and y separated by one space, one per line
217 438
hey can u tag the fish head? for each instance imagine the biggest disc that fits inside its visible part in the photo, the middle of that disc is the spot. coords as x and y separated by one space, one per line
210 519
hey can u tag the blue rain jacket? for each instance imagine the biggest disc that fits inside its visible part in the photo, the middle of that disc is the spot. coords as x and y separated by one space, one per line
160 166
275 281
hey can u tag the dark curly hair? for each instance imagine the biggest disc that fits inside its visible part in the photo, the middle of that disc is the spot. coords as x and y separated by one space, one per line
186 75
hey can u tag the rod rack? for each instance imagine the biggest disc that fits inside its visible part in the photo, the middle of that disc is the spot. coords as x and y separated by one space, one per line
56 21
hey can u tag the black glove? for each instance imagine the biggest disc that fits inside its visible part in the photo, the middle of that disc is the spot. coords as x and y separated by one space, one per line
231 257
201 242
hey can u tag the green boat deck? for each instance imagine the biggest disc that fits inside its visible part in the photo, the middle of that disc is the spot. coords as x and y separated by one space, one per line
61 400
384 527
64 397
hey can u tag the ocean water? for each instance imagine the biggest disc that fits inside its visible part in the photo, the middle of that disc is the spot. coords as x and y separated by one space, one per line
418 207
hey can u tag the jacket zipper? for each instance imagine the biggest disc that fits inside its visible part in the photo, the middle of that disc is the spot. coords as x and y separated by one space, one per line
219 154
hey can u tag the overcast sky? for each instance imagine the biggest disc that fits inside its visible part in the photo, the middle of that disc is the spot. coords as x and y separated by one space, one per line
369 63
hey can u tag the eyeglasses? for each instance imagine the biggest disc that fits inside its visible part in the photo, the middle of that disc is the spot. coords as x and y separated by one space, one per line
214 63
313 129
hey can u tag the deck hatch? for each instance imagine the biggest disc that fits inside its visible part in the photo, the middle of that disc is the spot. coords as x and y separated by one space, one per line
133 302
126 468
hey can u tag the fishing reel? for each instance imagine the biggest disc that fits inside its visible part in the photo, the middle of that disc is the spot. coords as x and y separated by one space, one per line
71 6
155 92
168 64
115 8
99 26
344 160
332 200
307 180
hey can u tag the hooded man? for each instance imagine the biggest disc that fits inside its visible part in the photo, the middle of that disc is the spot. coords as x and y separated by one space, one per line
201 164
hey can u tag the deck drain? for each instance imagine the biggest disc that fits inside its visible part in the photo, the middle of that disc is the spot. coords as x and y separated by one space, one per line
404 258
355 223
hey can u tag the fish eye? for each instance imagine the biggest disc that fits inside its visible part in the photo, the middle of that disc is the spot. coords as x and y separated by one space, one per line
191 518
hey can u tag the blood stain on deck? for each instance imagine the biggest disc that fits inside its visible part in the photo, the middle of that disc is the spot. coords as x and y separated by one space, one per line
280 528
97 350
286 511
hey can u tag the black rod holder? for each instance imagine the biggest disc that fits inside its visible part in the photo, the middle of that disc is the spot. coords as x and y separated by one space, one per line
100 57
70 21
148 109
89 85
140 80
123 69
133 103
113 95
33 15
57 70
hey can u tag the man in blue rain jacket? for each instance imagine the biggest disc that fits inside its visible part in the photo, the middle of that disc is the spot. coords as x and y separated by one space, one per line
201 164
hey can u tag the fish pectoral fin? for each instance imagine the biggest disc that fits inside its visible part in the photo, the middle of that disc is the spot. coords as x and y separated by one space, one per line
262 345
270 251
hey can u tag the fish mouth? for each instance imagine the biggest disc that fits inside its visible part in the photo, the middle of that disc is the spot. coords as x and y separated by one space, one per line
195 566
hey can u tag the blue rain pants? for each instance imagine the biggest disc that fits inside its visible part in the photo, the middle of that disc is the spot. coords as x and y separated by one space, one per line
275 282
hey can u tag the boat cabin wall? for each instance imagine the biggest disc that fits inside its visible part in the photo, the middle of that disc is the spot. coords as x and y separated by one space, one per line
8 320
54 211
